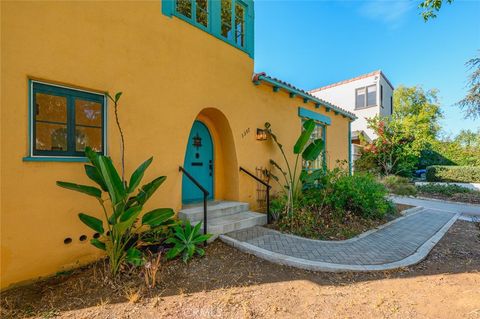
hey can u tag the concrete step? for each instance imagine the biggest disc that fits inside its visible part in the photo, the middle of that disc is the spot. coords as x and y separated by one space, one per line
194 213
237 221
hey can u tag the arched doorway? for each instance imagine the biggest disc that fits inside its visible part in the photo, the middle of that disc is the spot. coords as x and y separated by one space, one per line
199 163
224 179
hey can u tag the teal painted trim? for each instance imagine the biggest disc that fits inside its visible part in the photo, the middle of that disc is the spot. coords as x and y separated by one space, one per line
55 159
304 95
214 21
314 116
30 116
168 7
324 134
70 93
350 148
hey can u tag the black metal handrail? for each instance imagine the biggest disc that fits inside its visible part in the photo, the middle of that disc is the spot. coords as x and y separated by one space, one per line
268 186
205 196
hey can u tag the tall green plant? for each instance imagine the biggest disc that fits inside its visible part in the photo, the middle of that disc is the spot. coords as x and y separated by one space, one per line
293 174
119 235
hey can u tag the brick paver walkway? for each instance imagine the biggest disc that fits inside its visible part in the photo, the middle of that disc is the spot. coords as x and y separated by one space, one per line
392 243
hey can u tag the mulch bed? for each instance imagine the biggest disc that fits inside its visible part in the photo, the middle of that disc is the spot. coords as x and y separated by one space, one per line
470 198
327 227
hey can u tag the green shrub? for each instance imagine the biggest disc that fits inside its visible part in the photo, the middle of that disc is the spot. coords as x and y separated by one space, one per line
462 174
360 194
447 190
399 185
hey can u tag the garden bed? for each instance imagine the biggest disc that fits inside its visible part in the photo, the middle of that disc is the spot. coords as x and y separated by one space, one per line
329 227
450 192
229 284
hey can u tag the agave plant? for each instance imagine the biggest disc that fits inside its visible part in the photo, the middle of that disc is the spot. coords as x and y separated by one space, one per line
308 150
186 241
120 232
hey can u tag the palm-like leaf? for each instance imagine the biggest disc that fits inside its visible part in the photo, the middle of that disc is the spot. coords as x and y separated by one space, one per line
308 127
138 175
89 190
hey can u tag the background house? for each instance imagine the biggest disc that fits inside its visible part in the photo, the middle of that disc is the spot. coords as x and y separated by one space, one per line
366 96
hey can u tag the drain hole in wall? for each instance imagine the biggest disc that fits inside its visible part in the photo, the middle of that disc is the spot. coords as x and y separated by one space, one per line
83 237
108 233
67 240
96 235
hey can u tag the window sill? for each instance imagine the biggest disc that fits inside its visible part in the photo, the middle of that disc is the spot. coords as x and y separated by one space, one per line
55 159
364 108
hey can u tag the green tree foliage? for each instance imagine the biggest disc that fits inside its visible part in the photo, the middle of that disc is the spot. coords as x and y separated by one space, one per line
470 104
464 150
430 8
401 138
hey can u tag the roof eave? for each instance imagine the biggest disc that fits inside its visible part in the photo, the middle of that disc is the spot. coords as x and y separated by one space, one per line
259 77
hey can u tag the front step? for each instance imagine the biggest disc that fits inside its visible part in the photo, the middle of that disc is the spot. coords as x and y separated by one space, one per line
223 217
194 213
225 224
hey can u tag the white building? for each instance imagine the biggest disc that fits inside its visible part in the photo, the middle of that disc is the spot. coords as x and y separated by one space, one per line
366 95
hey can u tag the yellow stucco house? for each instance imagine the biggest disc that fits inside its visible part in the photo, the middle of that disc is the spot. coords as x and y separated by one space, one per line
190 99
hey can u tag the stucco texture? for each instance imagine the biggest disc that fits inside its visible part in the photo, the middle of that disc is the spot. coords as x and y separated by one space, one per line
170 73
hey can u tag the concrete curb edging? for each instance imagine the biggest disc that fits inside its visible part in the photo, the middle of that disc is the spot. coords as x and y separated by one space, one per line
414 258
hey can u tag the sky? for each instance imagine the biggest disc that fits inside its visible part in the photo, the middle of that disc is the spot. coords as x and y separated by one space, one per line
314 43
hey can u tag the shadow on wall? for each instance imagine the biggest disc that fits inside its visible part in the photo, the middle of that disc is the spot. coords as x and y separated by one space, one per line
225 156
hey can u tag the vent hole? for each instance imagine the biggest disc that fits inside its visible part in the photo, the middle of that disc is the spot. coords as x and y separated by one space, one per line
83 238
67 240
96 235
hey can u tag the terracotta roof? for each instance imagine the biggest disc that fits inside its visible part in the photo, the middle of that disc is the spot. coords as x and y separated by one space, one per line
378 72
258 77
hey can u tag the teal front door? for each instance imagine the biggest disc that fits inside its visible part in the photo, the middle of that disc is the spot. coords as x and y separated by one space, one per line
199 163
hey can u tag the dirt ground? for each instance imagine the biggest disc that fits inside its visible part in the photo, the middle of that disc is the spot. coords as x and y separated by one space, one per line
229 284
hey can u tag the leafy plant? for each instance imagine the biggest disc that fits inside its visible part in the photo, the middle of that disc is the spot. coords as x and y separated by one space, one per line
399 185
119 236
308 150
186 241
461 174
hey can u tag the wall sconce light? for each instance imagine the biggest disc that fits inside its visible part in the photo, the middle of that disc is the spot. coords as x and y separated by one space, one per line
261 134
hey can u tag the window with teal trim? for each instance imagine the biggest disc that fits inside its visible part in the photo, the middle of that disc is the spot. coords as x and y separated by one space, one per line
64 121
228 20
320 163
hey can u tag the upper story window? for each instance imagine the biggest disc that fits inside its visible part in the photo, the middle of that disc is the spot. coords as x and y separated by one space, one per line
64 121
228 20
381 95
366 97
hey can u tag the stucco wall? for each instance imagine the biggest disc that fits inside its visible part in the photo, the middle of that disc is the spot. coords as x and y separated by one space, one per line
169 72
343 95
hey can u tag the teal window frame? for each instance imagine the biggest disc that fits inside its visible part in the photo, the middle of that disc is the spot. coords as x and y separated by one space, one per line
321 121
214 23
70 155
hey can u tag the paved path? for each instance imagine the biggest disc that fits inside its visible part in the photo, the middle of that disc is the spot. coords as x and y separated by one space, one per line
406 240
465 209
